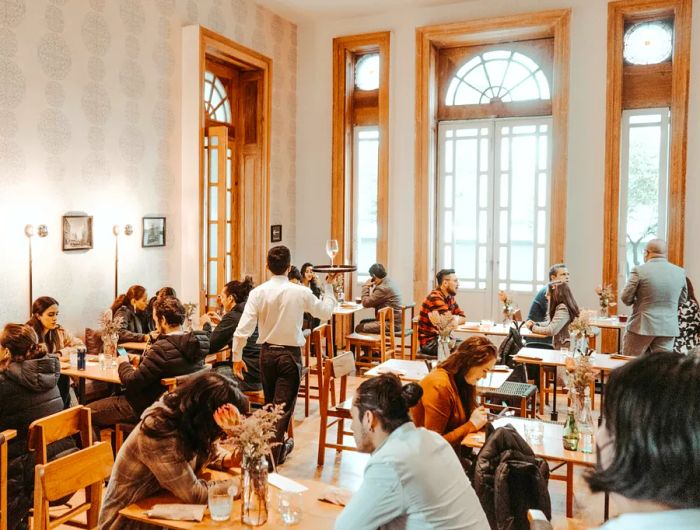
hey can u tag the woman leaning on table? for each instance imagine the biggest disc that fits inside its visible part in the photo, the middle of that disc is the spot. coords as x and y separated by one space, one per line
28 392
562 309
448 405
174 441
55 337
131 307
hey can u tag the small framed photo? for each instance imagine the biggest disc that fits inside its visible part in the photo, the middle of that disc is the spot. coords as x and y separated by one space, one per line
153 232
275 233
77 232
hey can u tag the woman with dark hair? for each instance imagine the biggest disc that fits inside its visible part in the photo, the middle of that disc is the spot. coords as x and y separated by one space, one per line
562 309
28 391
413 478
688 323
131 307
233 298
56 338
294 275
308 279
174 352
649 444
175 439
448 405
160 293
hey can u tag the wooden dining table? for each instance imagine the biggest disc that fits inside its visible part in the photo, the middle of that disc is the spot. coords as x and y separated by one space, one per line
93 372
601 362
316 514
499 330
415 371
551 449
611 323
343 321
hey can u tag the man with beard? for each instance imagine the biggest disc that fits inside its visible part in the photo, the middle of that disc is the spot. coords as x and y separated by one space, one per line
413 478
441 300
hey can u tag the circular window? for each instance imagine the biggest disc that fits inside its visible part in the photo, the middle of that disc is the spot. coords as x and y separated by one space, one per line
367 72
648 43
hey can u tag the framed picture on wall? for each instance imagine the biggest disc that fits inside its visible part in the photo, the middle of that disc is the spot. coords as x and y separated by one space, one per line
77 232
276 233
153 232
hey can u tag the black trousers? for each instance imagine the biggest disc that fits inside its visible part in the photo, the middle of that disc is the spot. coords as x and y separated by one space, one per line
280 368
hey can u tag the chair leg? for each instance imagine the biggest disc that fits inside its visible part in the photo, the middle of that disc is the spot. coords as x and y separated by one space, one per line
307 388
543 388
523 407
322 437
341 430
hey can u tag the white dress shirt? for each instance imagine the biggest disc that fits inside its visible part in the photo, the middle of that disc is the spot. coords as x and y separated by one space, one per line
277 307
414 481
668 520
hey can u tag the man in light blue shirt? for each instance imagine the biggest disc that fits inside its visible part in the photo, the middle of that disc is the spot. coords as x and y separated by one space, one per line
413 479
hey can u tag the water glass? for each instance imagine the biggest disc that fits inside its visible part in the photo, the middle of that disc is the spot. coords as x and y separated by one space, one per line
221 494
534 432
73 358
289 505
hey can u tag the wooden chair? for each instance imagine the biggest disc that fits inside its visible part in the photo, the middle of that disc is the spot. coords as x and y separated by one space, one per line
337 368
407 328
305 384
45 431
378 348
5 437
171 383
322 341
86 469
414 338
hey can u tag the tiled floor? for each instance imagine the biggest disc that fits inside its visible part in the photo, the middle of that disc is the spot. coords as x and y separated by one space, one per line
345 470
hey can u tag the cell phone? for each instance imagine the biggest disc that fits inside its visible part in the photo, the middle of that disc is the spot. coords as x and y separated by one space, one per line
121 352
493 417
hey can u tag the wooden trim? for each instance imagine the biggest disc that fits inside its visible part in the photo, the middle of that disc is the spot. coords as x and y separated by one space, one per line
258 210
344 116
620 13
547 24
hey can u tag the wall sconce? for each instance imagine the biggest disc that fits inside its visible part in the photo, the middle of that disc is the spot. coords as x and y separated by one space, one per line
117 230
42 231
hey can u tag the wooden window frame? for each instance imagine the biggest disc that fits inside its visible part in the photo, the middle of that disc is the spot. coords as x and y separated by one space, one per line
344 51
620 13
429 40
255 209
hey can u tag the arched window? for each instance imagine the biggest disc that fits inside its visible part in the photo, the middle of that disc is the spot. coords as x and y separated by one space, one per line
216 99
498 76
648 43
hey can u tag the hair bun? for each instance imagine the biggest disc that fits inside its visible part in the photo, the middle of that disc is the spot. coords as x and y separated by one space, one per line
411 394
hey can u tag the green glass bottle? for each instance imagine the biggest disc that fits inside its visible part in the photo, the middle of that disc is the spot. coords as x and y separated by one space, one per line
570 435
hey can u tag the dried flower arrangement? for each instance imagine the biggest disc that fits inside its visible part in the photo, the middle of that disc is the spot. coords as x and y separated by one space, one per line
583 375
189 309
253 436
581 325
508 308
606 296
109 324
444 323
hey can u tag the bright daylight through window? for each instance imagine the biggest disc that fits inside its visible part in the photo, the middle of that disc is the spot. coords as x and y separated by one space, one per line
365 167
648 43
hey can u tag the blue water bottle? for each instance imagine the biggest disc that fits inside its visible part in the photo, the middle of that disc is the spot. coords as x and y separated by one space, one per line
82 354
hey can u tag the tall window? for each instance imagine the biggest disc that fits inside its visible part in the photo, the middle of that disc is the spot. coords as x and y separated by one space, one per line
366 152
643 182
494 178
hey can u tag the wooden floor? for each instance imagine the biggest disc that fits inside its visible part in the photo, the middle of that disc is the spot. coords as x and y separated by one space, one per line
345 470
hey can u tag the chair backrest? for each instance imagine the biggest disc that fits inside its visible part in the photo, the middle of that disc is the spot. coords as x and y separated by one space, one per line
5 437
342 365
85 469
405 309
322 339
386 319
414 338
49 429
171 383
336 368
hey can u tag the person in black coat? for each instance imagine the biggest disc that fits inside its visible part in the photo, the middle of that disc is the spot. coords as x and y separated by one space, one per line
173 353
233 298
131 308
28 391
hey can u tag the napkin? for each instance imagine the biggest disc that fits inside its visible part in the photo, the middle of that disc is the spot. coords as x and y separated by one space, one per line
621 357
500 368
389 370
531 357
336 495
285 484
177 512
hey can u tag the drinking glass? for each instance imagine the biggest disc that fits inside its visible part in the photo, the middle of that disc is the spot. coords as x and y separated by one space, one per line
534 432
332 249
221 494
289 506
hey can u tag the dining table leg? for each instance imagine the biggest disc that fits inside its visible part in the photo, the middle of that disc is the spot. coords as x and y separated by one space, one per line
569 489
602 396
81 390
554 415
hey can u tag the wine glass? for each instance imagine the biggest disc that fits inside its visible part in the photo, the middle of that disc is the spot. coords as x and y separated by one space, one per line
332 249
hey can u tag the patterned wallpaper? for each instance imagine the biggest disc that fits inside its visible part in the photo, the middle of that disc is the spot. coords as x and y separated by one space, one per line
90 122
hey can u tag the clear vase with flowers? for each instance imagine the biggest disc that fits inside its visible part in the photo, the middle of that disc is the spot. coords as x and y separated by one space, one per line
110 327
444 323
606 299
508 308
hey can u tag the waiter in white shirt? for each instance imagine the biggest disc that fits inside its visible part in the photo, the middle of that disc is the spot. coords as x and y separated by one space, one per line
277 307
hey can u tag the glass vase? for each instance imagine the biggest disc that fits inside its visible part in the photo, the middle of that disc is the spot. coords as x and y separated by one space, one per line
109 347
604 311
254 494
443 349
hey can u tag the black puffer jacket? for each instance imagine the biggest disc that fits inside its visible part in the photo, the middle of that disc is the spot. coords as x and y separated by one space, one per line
169 356
133 327
28 392
509 480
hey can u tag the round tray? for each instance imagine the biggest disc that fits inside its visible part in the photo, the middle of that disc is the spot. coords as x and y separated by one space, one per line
331 269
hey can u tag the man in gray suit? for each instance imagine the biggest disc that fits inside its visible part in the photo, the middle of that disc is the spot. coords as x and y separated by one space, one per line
379 292
654 289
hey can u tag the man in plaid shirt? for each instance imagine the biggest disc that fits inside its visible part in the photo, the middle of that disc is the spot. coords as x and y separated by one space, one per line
441 300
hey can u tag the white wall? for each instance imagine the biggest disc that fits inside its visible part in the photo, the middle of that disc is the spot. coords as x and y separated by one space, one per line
90 105
586 152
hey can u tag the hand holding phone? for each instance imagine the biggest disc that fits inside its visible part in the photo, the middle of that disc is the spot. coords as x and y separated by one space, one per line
121 352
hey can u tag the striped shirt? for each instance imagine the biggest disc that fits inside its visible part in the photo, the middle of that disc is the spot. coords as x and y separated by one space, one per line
435 301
